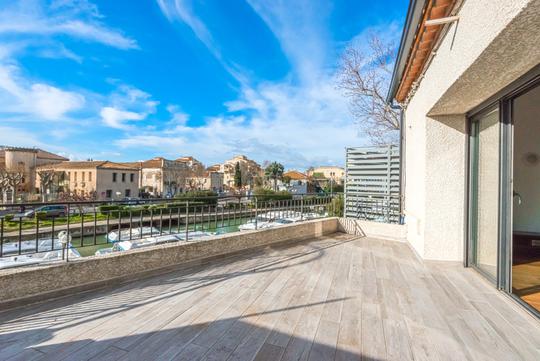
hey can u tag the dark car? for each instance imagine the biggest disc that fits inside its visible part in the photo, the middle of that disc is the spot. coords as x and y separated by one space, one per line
50 211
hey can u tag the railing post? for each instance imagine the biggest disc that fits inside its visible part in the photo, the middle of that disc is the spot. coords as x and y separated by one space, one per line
119 226
1 236
256 212
302 207
68 221
187 220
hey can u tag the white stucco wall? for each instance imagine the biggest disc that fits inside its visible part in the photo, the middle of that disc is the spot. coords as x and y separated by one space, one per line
461 75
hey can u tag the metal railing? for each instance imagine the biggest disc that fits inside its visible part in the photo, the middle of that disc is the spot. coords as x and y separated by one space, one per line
29 233
377 207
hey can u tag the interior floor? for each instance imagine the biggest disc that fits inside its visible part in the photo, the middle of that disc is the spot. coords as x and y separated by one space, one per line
526 283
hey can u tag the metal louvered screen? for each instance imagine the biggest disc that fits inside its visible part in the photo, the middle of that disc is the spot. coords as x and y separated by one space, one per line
372 184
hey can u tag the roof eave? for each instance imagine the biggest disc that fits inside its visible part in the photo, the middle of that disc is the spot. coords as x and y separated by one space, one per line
414 14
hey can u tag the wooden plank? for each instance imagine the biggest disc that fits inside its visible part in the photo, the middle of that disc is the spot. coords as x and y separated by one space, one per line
305 331
326 299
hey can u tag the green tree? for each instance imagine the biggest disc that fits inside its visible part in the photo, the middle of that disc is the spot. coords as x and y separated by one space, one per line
274 171
237 176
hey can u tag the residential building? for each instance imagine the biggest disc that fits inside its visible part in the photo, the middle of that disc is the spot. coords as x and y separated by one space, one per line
161 177
249 170
324 174
295 182
214 168
25 160
467 77
100 180
209 180
195 166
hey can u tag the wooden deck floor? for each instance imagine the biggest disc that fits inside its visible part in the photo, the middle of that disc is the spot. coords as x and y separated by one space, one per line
333 298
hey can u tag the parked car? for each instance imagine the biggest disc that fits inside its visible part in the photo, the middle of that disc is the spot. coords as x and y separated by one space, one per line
129 201
50 211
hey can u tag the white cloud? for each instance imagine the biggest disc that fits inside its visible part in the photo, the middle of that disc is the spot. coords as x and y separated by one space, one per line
297 123
117 118
127 104
35 27
178 118
302 33
19 137
181 11
78 19
22 96
299 126
166 144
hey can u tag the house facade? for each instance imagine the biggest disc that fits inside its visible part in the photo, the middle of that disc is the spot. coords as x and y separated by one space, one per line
25 161
467 78
161 177
324 174
194 165
294 182
100 180
208 181
248 168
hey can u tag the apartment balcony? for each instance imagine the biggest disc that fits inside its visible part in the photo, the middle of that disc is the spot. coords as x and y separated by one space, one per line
332 297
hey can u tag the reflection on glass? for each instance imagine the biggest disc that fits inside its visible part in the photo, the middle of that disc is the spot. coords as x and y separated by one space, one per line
526 200
486 192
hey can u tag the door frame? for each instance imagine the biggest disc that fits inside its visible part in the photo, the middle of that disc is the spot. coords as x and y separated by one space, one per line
473 125
504 101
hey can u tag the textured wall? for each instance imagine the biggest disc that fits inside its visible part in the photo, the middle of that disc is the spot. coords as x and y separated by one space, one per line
479 55
34 284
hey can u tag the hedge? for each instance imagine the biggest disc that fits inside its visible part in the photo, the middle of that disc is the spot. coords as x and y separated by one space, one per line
205 197
264 195
40 215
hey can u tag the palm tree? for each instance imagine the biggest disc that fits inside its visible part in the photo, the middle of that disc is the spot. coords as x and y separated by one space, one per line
274 171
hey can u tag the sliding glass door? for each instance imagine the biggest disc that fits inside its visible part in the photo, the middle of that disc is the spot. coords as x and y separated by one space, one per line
525 235
484 196
504 190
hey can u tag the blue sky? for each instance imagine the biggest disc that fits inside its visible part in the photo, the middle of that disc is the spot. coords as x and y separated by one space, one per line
130 80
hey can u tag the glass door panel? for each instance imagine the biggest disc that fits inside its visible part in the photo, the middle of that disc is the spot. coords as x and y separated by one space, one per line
526 198
485 162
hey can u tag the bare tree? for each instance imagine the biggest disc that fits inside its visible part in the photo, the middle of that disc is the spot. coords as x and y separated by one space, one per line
197 180
174 178
10 180
364 78
78 196
48 178
4 186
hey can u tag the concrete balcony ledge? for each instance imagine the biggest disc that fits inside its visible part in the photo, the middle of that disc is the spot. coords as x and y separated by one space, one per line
389 231
22 286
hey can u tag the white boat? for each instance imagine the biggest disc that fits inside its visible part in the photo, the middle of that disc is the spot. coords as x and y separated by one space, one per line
151 241
37 258
251 225
133 233
313 215
43 245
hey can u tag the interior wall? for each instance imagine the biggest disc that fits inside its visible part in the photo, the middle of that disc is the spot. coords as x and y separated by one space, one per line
527 162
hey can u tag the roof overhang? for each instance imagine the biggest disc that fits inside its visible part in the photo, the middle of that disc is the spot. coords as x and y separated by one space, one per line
416 45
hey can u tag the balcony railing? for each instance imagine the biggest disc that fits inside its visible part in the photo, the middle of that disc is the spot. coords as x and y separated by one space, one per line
374 207
34 233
